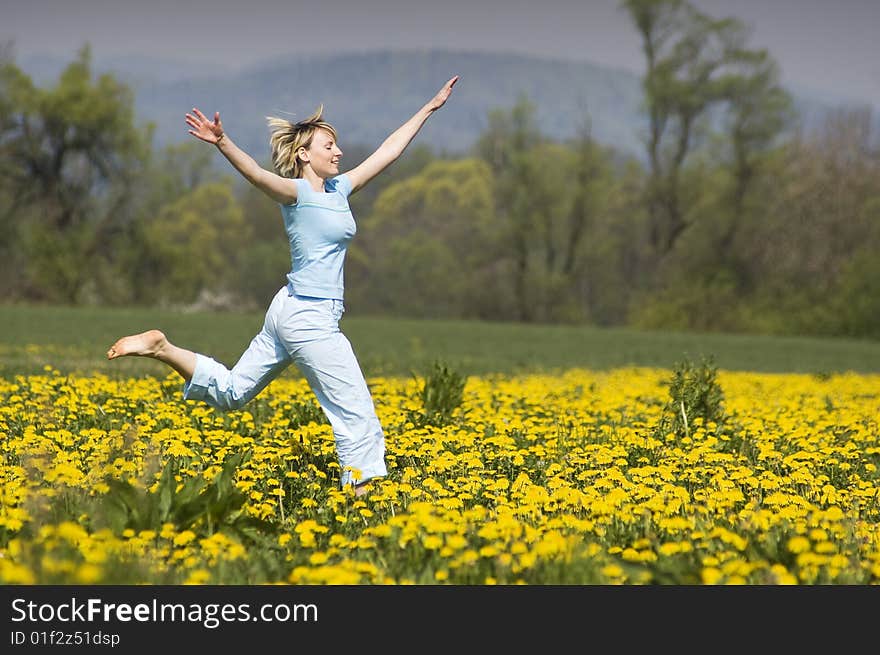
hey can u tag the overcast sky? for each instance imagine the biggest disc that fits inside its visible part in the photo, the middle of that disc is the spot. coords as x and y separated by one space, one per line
825 45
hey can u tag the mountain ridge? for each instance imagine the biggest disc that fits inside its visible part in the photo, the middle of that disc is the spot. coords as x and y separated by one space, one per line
368 94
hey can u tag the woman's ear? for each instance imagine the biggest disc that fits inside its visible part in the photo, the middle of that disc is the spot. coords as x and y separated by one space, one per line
303 154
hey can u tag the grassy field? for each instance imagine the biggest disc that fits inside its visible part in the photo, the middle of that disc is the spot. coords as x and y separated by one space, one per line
74 340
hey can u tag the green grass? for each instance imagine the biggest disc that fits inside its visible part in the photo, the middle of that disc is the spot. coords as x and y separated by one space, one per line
75 339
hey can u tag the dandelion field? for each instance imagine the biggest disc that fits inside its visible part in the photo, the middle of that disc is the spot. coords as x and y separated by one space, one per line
609 464
630 476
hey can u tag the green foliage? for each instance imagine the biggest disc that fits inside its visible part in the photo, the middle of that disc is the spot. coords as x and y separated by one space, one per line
707 302
193 504
194 242
303 413
428 246
441 395
857 301
696 67
70 158
694 393
728 228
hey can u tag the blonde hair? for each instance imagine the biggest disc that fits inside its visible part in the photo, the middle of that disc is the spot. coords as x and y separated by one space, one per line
287 138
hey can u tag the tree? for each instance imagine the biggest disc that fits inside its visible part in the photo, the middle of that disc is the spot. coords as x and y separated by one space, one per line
694 64
69 156
759 111
428 246
549 198
587 211
195 244
814 250
506 146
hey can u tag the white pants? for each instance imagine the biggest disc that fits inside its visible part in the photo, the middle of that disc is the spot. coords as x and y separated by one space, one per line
305 331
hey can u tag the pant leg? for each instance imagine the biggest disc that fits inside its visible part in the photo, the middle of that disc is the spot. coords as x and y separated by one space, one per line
335 377
261 363
310 330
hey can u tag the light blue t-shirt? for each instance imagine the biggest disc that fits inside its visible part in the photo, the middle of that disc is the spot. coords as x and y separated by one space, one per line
319 227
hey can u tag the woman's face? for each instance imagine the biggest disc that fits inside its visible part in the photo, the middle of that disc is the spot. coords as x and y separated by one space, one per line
323 154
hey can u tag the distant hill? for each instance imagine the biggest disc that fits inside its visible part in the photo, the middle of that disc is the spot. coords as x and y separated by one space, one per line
368 95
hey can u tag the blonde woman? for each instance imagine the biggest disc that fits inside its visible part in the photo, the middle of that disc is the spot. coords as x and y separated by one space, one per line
301 324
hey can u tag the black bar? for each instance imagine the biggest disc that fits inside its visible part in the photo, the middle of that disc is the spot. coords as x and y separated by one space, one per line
406 618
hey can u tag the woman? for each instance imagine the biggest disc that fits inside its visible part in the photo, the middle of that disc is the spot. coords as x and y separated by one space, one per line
301 324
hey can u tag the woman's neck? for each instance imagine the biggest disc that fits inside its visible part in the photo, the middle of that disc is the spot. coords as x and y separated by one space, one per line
316 182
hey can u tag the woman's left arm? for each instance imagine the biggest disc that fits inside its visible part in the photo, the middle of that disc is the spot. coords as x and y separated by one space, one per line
397 142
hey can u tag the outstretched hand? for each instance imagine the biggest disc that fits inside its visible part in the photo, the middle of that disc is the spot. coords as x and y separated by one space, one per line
206 130
438 100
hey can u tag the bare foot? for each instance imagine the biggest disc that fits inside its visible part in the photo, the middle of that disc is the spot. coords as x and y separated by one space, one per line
361 489
145 344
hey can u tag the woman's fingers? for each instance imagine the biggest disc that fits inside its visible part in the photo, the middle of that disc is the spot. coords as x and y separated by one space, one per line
195 122
200 129
201 124
448 86
444 93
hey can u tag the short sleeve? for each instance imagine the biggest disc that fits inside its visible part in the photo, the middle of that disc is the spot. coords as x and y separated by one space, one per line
301 184
342 184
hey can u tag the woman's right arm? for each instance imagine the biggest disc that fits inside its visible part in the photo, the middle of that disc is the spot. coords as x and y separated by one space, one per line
280 189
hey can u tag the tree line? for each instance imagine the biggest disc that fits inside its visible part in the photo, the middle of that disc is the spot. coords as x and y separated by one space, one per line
735 219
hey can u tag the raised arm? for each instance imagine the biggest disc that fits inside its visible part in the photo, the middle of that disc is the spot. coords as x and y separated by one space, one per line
280 189
397 142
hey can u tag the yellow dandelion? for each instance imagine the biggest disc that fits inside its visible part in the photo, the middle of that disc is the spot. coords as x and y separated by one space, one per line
612 571
316 559
798 545
711 576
